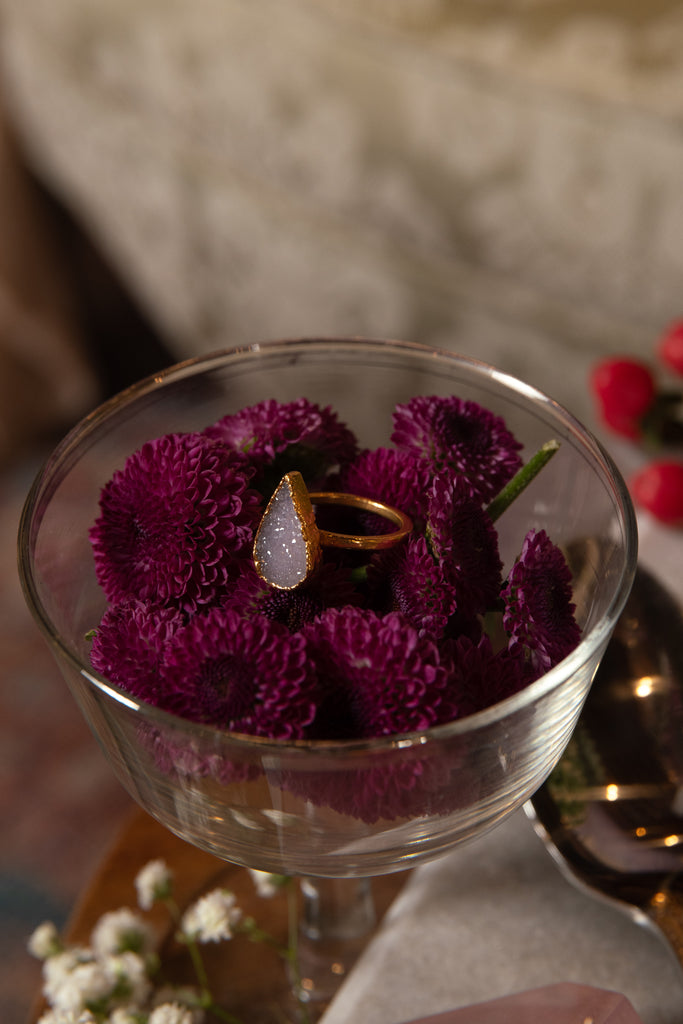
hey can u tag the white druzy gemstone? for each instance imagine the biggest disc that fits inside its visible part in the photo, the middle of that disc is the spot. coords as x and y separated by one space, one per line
282 549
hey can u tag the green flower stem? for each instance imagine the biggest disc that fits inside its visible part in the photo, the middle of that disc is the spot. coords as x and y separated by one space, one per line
359 575
218 1011
293 947
198 964
207 1000
522 479
251 930
254 933
289 953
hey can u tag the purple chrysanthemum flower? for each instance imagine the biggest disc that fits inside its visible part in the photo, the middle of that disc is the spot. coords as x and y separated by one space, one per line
129 648
460 436
283 436
172 520
328 587
398 478
465 544
381 676
409 580
446 776
539 612
480 677
402 787
177 752
246 675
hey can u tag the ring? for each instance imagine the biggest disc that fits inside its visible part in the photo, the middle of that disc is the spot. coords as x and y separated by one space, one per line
288 544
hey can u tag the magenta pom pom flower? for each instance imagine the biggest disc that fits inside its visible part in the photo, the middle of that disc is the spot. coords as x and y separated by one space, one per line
370 644
459 436
399 478
129 648
409 580
406 786
539 613
465 544
329 587
280 437
381 676
480 677
172 521
248 675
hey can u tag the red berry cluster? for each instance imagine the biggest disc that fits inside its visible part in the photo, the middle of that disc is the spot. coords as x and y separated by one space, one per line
632 404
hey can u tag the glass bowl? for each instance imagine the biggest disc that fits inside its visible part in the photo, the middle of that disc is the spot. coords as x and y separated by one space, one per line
327 808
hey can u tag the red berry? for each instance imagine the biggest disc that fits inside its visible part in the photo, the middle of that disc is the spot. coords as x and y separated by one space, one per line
659 488
670 348
620 424
625 389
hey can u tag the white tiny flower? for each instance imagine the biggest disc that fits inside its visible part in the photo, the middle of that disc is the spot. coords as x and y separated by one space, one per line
67 1017
44 941
86 984
58 968
183 995
153 883
212 917
127 973
170 1013
266 883
121 930
126 1015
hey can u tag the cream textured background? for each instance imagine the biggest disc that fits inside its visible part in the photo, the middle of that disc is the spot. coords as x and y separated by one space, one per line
500 178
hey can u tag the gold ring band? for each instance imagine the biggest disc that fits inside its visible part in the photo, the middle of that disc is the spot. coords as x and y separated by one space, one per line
288 544
374 541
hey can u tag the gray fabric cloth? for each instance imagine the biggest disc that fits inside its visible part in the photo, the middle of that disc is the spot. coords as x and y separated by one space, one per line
496 917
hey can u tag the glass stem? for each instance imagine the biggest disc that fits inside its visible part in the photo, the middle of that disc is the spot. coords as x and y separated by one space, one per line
337 919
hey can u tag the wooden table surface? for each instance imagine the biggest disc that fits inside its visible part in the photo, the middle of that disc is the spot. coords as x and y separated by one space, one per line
242 974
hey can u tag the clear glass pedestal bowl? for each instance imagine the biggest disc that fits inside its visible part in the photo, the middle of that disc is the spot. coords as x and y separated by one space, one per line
337 809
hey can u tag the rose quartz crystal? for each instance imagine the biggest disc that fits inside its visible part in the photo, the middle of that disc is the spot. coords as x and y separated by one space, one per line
564 1003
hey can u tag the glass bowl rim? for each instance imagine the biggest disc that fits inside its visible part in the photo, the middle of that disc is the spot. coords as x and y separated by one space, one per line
46 479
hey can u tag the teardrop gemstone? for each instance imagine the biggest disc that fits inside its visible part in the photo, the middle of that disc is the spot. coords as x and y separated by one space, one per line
287 545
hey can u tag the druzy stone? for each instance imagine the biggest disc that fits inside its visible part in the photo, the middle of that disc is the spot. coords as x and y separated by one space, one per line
286 545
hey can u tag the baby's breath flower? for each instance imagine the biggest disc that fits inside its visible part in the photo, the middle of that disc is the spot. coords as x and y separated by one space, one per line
181 995
127 1015
267 884
84 986
130 983
57 969
53 1016
45 941
121 930
212 917
153 882
171 1013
